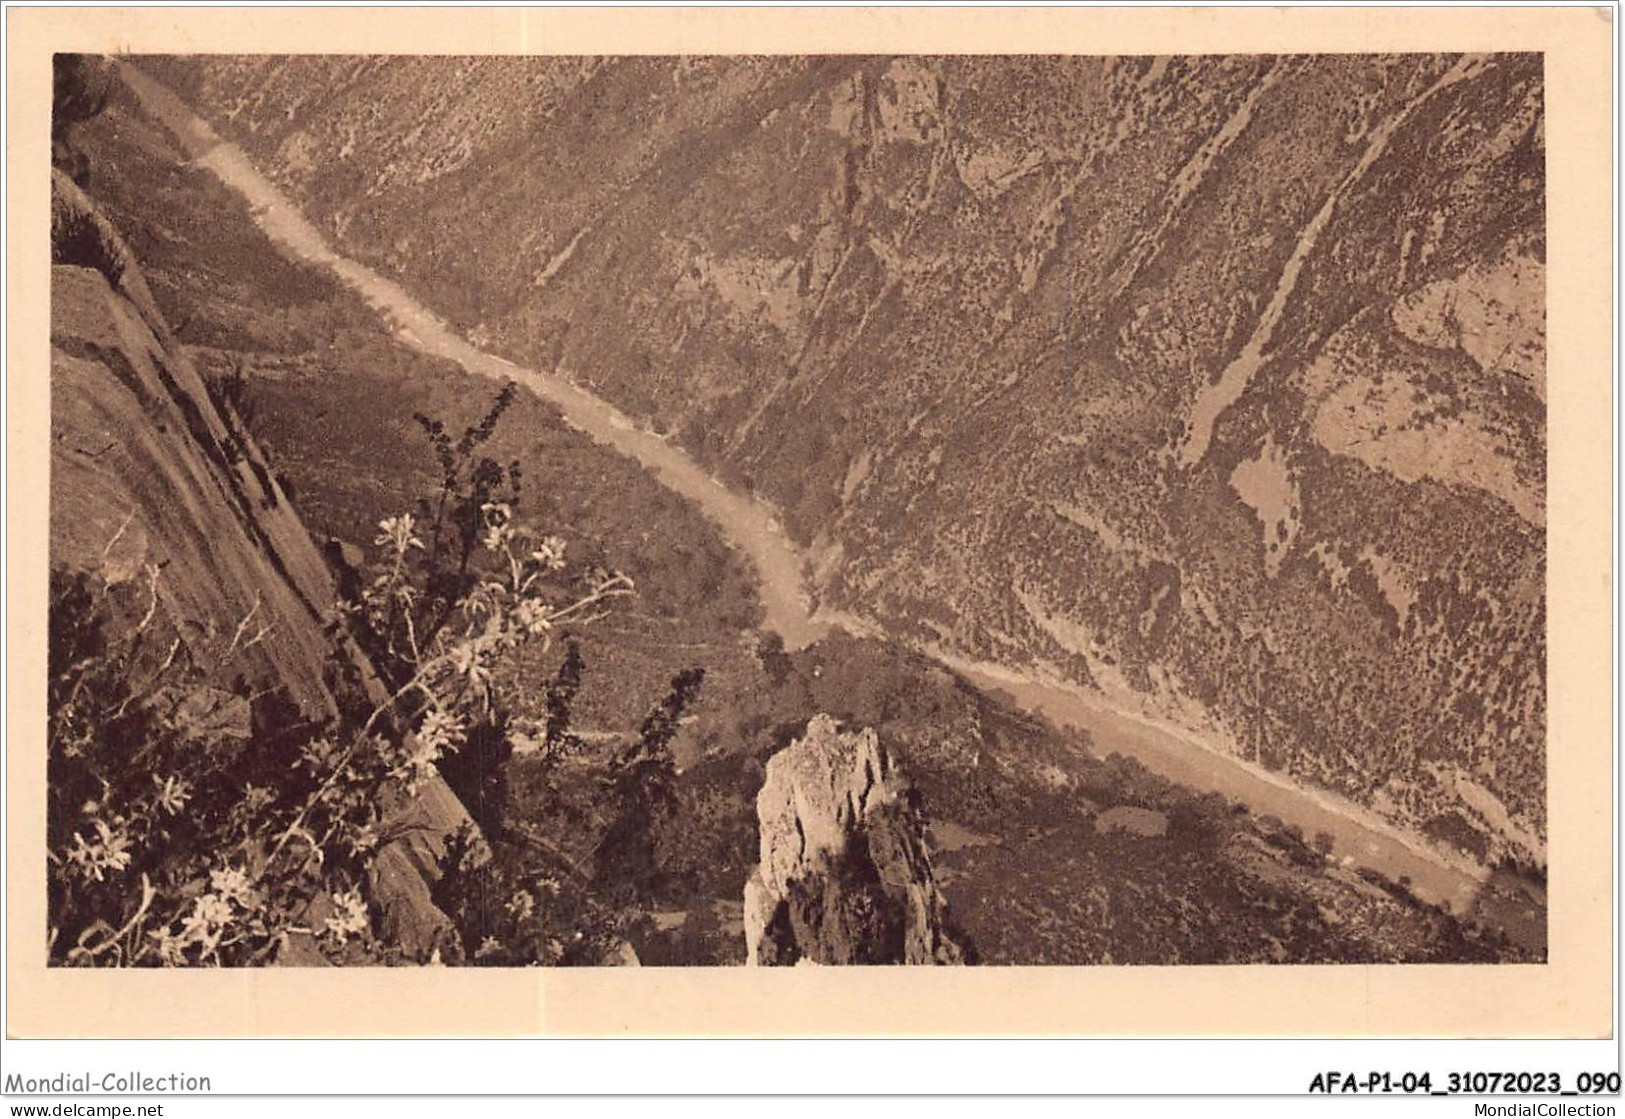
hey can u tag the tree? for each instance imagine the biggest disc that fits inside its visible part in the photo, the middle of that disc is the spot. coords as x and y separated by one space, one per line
640 787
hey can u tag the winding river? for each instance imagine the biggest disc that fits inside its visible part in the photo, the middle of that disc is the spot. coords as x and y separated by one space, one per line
1360 837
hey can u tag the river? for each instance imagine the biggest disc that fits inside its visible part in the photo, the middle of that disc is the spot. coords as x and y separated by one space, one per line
753 527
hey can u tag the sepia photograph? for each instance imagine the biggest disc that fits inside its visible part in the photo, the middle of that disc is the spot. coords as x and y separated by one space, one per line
747 509
751 510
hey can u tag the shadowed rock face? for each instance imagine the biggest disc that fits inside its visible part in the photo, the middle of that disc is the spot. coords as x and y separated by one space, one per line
151 484
844 876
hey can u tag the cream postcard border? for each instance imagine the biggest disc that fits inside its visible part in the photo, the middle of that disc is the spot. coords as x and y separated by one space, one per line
1570 996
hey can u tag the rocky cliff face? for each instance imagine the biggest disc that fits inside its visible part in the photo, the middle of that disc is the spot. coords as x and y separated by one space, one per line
1218 382
844 876
150 483
153 484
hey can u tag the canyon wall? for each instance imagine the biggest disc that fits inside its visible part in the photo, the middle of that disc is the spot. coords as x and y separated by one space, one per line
1216 382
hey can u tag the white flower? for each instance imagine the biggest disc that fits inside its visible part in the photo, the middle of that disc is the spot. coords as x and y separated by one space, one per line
417 766
349 917
317 755
173 794
233 885
212 909
110 852
521 905
465 661
533 617
396 532
208 917
362 839
438 734
442 731
498 517
550 553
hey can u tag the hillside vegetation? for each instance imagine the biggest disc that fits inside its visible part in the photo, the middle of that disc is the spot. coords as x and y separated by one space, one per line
1218 383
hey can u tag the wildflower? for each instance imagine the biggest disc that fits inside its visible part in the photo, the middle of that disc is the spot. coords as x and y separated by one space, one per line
396 533
466 661
173 793
482 600
441 730
233 885
490 946
439 734
498 516
349 917
417 762
533 617
110 852
208 918
521 905
550 553
212 909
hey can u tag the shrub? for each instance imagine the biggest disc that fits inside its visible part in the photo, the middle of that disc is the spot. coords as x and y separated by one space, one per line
190 825
641 790
510 911
187 824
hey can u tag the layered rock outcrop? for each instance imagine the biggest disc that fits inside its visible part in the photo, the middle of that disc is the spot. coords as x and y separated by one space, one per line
844 876
152 483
